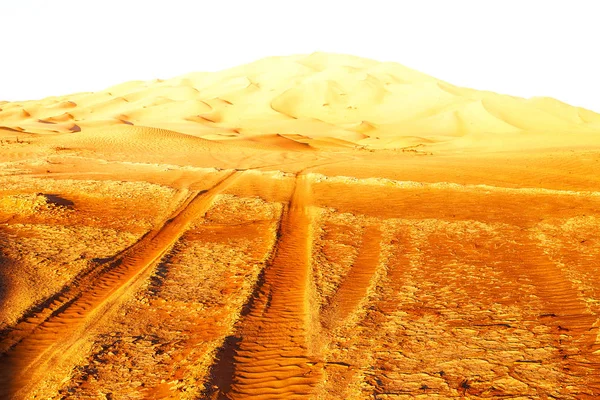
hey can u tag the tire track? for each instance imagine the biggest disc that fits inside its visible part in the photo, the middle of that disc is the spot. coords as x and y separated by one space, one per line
355 285
545 296
50 336
269 357
466 293
575 326
577 252
44 310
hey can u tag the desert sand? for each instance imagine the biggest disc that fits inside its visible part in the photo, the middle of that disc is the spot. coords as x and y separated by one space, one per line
318 226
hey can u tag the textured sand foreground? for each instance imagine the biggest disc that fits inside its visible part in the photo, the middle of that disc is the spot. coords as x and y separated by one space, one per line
320 226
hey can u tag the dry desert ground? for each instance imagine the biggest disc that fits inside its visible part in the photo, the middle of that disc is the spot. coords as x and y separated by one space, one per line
314 227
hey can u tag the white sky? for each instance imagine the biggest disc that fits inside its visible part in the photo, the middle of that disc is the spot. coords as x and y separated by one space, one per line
520 47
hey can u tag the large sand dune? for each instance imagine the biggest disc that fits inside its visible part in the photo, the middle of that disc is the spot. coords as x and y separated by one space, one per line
310 227
324 94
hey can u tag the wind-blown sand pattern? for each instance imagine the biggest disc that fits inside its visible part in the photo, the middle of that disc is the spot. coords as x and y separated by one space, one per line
319 226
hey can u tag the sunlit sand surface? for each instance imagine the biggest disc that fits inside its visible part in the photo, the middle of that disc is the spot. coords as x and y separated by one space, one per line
319 226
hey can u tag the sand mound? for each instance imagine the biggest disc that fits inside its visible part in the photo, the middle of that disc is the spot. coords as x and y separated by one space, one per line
64 104
363 127
15 129
68 104
139 143
60 118
272 142
74 128
124 134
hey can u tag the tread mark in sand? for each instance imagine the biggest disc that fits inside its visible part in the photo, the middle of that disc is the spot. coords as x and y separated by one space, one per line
43 339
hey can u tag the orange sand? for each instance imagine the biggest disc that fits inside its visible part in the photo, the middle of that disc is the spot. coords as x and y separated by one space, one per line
319 226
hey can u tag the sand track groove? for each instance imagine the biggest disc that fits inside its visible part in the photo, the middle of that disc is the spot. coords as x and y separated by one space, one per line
51 335
270 351
575 328
353 288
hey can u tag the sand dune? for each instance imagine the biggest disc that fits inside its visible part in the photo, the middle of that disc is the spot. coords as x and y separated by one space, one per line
319 95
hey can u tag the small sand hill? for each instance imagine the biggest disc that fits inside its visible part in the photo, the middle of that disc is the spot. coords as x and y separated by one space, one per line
272 142
319 96
142 144
136 139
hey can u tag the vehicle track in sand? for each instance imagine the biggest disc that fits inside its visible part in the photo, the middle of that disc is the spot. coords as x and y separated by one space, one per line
353 289
50 336
270 357
575 326
490 297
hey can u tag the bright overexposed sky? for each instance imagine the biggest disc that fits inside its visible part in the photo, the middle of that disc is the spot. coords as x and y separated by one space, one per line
519 47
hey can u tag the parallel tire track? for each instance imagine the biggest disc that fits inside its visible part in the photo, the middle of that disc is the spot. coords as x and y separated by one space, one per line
44 339
270 355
